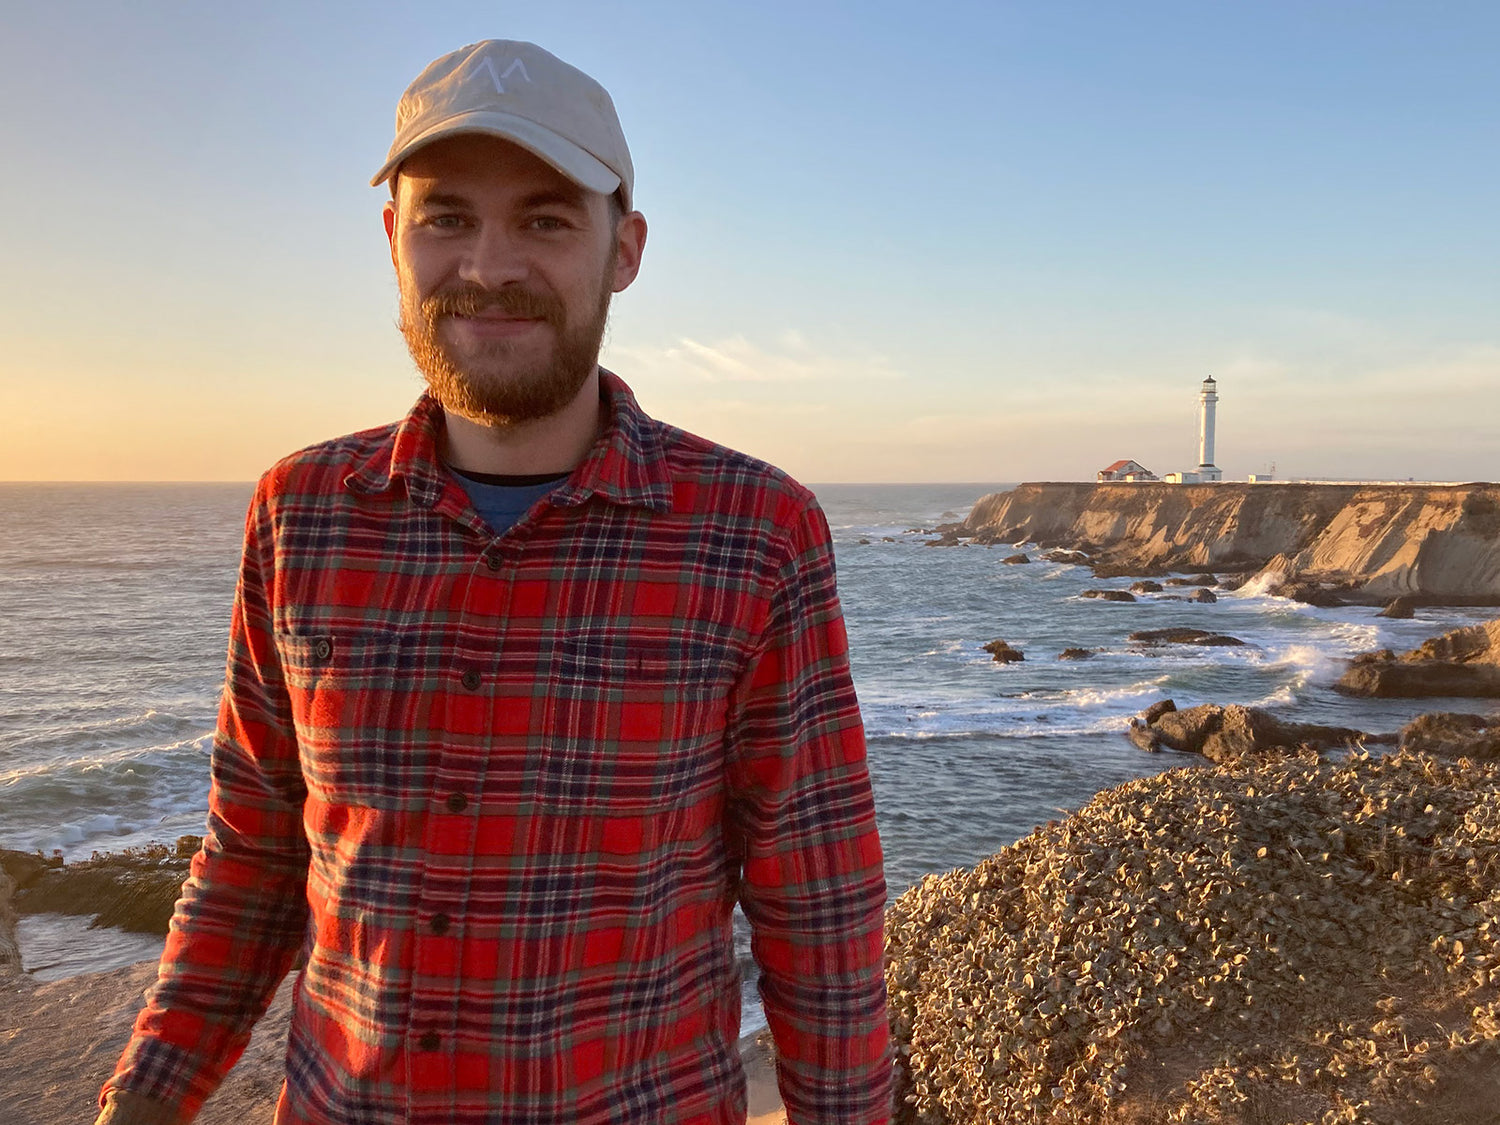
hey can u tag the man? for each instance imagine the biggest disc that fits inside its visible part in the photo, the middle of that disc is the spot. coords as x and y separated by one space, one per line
524 693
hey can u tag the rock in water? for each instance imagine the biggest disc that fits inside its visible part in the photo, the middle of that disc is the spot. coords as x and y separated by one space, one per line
135 890
1109 595
1145 586
1462 662
1075 654
1143 736
1309 593
1223 734
1183 637
1186 730
1015 560
1453 735
1157 710
1421 681
1398 608
1004 653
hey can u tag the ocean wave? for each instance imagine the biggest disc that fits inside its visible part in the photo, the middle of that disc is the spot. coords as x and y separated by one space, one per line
1036 713
1307 663
1283 696
109 801
1262 584
56 738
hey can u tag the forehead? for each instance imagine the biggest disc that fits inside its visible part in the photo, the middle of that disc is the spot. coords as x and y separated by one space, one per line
479 165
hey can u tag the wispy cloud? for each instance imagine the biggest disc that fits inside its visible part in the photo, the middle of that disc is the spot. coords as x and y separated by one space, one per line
790 358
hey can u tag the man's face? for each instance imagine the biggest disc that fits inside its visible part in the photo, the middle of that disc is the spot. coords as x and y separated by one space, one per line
505 268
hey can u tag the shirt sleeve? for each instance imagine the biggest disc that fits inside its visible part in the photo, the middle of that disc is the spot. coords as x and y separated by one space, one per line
802 821
241 918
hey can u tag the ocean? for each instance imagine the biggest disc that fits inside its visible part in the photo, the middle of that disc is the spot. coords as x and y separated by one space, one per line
114 608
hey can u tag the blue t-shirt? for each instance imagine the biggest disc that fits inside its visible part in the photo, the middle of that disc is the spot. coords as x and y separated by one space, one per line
502 500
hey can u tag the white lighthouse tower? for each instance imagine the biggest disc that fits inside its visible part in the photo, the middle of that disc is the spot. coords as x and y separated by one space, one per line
1209 397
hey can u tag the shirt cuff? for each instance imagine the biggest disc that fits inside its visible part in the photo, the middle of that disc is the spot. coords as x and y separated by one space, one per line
125 1107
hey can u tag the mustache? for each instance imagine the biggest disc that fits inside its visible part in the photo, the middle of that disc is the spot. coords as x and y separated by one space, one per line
512 300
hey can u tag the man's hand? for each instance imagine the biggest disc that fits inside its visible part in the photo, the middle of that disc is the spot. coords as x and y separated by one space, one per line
121 1107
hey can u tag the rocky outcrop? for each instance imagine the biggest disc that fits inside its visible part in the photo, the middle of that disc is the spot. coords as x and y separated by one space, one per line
1462 663
1226 734
1380 541
1109 595
134 890
1453 735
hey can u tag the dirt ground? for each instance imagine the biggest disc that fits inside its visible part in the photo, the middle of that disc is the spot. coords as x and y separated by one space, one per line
59 1041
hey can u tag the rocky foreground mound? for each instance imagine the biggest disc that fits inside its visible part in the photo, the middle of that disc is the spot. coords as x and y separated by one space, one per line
1297 940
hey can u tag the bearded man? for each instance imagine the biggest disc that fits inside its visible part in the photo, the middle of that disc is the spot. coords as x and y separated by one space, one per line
525 692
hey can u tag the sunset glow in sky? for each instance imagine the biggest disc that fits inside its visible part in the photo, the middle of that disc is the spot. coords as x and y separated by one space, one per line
941 241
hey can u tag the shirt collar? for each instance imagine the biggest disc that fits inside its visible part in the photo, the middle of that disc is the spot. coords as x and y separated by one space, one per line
625 465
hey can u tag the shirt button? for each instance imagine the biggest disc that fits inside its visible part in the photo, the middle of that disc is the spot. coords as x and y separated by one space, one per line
470 679
457 802
323 649
428 1041
494 562
440 924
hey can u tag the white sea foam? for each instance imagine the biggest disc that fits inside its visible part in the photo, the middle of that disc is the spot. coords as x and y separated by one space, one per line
1305 663
1262 584
1283 696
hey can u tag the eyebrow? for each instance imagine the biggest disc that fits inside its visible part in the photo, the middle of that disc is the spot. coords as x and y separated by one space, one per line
547 198
443 199
555 196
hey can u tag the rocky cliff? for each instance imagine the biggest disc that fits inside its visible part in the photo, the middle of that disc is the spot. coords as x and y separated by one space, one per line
1382 541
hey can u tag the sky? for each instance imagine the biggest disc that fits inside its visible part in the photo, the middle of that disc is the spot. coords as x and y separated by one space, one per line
888 242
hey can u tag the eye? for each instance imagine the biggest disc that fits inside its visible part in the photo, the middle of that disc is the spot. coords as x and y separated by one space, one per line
548 223
447 222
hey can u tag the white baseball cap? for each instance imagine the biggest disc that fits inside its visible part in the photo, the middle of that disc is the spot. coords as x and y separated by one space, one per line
517 91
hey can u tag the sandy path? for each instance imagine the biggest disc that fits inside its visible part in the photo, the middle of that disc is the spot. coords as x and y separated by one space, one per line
59 1041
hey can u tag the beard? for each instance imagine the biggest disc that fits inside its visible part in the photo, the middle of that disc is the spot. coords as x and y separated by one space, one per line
495 383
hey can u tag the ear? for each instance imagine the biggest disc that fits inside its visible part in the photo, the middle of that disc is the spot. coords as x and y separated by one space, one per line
630 243
389 215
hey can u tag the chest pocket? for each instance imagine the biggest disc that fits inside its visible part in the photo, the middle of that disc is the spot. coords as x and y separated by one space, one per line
634 723
356 702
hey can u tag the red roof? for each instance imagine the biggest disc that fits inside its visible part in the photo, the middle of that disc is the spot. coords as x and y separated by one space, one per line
1117 466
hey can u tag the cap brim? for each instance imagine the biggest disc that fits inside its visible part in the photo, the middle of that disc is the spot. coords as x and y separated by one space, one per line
575 163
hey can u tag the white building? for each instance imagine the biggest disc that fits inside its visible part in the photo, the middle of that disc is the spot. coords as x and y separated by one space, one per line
1208 399
1125 470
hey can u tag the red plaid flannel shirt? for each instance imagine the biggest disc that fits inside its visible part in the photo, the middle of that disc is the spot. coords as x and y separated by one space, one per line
505 791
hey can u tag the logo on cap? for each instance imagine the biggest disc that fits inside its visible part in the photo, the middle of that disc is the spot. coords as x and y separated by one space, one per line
499 79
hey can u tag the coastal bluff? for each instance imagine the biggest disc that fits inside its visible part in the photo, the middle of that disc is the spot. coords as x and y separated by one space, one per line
1375 541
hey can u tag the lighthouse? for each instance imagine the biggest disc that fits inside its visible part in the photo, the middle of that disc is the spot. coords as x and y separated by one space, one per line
1207 399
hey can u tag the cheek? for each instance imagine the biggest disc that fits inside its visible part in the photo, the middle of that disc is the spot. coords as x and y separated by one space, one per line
421 267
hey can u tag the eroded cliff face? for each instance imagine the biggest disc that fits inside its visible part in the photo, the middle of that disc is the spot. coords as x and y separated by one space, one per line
1384 540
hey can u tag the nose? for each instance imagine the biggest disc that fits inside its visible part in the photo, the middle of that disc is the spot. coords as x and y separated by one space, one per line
493 258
